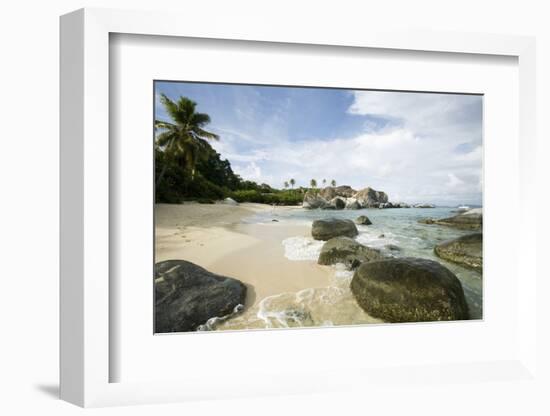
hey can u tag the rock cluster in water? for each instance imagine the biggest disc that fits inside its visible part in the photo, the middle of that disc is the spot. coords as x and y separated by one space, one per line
187 296
388 288
393 289
469 220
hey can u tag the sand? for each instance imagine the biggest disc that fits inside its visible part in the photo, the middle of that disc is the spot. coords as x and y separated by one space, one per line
215 237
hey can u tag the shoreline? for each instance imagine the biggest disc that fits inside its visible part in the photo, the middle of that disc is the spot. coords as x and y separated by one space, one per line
215 237
287 291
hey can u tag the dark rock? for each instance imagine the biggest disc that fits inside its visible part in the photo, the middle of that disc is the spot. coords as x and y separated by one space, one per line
392 247
466 251
409 290
328 228
275 220
426 221
363 220
187 296
337 203
347 251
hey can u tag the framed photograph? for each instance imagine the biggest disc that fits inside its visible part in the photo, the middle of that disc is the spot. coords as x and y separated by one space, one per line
243 215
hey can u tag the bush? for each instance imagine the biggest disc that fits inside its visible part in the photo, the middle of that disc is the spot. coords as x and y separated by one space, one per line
272 198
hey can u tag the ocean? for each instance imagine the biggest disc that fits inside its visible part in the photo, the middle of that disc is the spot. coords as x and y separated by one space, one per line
396 232
398 227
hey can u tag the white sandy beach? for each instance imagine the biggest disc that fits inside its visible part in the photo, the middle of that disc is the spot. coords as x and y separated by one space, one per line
214 237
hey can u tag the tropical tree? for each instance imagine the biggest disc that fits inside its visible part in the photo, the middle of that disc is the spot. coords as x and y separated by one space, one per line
286 185
184 138
324 182
313 183
292 183
333 182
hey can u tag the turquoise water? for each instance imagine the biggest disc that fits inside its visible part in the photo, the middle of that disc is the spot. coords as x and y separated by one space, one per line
397 227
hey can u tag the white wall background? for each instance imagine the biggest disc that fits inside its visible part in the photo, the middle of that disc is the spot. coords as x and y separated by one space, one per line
29 206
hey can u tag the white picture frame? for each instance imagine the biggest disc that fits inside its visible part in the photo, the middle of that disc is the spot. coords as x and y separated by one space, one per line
85 216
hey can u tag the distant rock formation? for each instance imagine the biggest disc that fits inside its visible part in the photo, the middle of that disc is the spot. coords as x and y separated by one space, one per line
331 192
345 197
369 198
313 200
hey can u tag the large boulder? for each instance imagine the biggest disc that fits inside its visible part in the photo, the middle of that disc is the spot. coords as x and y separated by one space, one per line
337 203
466 251
331 227
328 193
347 251
369 198
351 203
363 220
187 296
345 191
409 290
313 200
467 221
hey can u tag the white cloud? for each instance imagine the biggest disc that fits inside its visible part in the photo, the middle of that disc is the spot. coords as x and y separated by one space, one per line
431 150
454 181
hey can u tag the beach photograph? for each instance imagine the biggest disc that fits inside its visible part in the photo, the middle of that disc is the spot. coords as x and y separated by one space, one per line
283 207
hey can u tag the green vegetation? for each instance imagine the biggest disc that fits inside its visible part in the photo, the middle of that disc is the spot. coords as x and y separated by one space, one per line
187 168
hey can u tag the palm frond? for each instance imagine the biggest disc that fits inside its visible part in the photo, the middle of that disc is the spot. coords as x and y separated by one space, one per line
205 134
159 124
170 106
199 119
164 139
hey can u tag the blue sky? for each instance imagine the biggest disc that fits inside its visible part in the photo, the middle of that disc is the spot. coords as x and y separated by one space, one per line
417 147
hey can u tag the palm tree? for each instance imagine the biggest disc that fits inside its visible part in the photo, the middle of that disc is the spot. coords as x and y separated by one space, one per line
184 138
292 183
333 182
286 185
313 183
324 182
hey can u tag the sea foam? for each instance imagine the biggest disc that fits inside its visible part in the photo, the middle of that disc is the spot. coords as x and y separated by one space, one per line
302 248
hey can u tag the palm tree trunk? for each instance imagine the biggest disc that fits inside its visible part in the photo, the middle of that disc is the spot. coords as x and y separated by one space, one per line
161 175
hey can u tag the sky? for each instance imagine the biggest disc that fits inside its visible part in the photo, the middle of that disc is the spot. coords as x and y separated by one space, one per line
416 147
